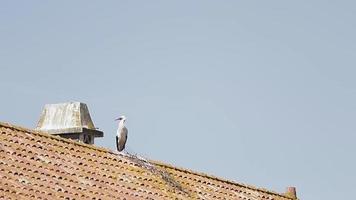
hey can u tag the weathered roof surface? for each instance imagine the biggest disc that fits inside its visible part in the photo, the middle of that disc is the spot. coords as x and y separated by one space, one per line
37 165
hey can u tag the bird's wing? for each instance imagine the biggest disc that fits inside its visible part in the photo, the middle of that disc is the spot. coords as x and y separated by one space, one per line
124 133
117 143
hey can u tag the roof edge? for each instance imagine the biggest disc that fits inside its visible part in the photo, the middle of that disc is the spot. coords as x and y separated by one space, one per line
46 134
49 135
202 174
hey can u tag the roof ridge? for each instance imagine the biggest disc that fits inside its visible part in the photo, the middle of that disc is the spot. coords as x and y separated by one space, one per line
202 174
46 134
159 163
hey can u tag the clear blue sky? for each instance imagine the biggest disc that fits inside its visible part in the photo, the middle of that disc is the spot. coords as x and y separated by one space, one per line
260 92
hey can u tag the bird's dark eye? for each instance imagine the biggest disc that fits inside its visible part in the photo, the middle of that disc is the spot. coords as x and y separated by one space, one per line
120 118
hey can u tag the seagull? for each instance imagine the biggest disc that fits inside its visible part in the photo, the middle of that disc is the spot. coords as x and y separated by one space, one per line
121 136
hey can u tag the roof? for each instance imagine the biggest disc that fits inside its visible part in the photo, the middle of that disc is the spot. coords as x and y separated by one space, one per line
38 165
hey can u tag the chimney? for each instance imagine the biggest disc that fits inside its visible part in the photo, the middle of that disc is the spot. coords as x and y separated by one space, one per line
69 120
291 192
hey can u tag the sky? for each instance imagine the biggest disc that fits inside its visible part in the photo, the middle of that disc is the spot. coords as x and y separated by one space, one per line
258 92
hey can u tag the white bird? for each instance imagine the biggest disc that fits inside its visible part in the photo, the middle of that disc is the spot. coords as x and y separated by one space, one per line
121 136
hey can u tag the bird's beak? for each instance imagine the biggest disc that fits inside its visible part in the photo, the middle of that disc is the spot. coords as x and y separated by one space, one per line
117 119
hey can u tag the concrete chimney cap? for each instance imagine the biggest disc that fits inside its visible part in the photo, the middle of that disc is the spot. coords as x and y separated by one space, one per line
66 118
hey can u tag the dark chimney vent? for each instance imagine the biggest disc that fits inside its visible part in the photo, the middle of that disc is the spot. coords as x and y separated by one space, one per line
69 120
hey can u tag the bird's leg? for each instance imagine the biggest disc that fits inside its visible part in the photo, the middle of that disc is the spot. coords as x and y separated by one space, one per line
119 152
123 152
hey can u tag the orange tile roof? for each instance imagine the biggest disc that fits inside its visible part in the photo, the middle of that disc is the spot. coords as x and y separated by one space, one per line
37 165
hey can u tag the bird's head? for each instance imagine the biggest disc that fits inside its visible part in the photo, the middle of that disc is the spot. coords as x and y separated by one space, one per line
121 118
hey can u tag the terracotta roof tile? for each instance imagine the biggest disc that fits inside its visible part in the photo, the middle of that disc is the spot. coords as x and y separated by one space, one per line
37 165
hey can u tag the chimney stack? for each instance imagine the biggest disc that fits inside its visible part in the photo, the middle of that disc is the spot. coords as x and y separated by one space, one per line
69 120
291 192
